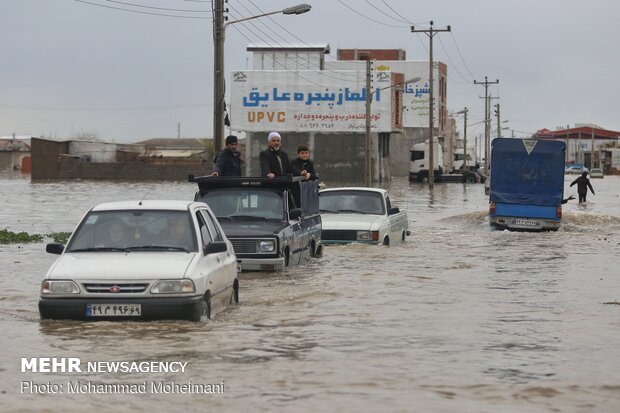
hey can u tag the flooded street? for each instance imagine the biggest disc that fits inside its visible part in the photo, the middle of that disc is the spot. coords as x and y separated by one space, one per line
460 318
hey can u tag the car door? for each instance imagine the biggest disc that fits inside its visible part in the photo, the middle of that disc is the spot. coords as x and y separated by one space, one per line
226 261
210 265
299 233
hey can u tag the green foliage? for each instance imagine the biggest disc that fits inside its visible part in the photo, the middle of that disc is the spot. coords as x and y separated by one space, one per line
59 237
9 237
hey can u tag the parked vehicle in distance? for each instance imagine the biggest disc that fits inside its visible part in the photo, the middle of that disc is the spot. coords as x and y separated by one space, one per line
596 173
363 215
575 169
527 184
272 223
142 260
419 163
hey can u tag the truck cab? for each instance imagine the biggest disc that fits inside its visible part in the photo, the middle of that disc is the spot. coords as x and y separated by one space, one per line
272 223
420 161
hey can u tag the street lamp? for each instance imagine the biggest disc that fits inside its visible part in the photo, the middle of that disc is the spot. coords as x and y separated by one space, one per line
219 29
464 112
368 144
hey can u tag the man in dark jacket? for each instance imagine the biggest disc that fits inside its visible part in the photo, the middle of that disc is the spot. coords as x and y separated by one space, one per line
228 161
273 160
302 165
583 183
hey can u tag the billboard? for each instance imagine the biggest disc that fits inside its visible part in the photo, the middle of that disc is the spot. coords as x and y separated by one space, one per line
416 96
307 101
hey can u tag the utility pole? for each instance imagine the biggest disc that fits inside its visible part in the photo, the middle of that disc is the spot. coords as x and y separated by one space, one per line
465 138
592 151
218 74
178 130
368 142
486 84
431 121
499 123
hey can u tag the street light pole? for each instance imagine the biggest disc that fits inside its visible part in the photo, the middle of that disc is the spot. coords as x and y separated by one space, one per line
219 32
218 74
367 143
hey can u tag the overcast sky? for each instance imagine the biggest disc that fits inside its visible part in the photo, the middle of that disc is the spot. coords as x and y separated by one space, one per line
69 68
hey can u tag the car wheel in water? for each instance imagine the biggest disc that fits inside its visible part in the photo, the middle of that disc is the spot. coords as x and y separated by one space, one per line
202 308
234 297
386 241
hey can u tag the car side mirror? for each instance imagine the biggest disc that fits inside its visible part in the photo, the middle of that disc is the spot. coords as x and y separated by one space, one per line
393 211
215 246
54 248
295 213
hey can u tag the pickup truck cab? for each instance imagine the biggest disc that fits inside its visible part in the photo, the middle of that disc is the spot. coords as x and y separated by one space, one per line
272 223
364 215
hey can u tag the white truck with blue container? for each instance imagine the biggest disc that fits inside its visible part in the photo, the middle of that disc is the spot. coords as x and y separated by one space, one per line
527 184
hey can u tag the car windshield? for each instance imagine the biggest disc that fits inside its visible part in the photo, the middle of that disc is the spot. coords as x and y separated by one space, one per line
156 230
363 202
239 203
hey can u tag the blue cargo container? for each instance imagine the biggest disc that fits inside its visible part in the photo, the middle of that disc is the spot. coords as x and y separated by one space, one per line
527 184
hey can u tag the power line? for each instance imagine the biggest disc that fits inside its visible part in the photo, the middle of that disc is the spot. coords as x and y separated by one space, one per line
461 55
385 14
366 17
301 58
104 108
157 8
141 12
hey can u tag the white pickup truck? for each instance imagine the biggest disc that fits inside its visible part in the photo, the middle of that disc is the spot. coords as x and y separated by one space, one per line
363 215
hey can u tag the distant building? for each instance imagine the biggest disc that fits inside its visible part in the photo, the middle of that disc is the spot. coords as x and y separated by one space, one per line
581 139
78 159
15 153
292 89
175 148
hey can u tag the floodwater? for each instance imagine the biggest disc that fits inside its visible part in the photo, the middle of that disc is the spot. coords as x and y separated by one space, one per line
460 318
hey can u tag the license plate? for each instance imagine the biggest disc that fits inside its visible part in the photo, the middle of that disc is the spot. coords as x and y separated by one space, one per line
113 310
527 223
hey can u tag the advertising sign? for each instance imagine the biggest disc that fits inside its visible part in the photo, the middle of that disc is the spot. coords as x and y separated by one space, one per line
303 101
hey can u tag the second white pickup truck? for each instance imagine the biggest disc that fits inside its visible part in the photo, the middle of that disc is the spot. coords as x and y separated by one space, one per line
363 215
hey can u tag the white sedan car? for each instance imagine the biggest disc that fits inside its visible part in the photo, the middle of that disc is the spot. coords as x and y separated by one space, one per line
142 260
364 215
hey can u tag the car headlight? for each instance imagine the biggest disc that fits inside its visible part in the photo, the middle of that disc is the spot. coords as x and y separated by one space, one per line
367 235
267 246
173 286
59 287
363 235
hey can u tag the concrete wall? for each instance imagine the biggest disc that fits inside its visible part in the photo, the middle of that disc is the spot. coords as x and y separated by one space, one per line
94 151
12 161
165 170
400 144
50 161
45 158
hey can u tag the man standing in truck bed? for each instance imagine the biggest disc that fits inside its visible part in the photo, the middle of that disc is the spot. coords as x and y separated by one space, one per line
273 160
583 183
